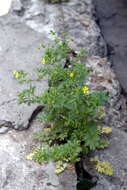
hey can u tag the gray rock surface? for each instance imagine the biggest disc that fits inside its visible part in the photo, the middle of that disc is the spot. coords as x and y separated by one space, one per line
19 50
18 173
116 154
3 130
112 18
103 78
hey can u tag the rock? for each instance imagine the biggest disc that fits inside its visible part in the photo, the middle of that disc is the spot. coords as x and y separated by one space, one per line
79 23
3 130
116 155
116 112
18 173
103 77
16 6
19 50
112 17
73 17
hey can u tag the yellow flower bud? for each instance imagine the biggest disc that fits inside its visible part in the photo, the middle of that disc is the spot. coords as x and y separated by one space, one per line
43 61
85 90
71 75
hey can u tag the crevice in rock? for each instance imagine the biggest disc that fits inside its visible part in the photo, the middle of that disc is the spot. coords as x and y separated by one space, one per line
111 18
85 181
19 12
4 123
34 115
6 126
115 47
8 101
20 7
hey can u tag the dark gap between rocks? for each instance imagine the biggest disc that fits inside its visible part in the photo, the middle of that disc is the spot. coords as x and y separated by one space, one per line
34 114
6 126
84 180
20 12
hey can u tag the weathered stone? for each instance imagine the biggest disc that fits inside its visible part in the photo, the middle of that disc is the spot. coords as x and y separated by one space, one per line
117 111
3 130
116 155
74 17
103 77
19 50
18 173
112 18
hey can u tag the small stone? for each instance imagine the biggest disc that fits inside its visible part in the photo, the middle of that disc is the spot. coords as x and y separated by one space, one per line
86 23
3 130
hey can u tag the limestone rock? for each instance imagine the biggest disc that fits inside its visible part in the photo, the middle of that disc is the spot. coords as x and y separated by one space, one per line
116 155
103 78
112 20
18 173
19 51
74 17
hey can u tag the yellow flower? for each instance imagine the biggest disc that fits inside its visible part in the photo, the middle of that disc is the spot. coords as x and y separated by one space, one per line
43 61
85 90
16 74
71 75
30 156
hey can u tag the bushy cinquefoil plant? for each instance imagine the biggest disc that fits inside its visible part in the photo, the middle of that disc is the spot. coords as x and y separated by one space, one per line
70 109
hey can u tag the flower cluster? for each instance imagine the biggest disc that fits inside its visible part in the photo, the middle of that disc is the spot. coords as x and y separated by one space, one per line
85 90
